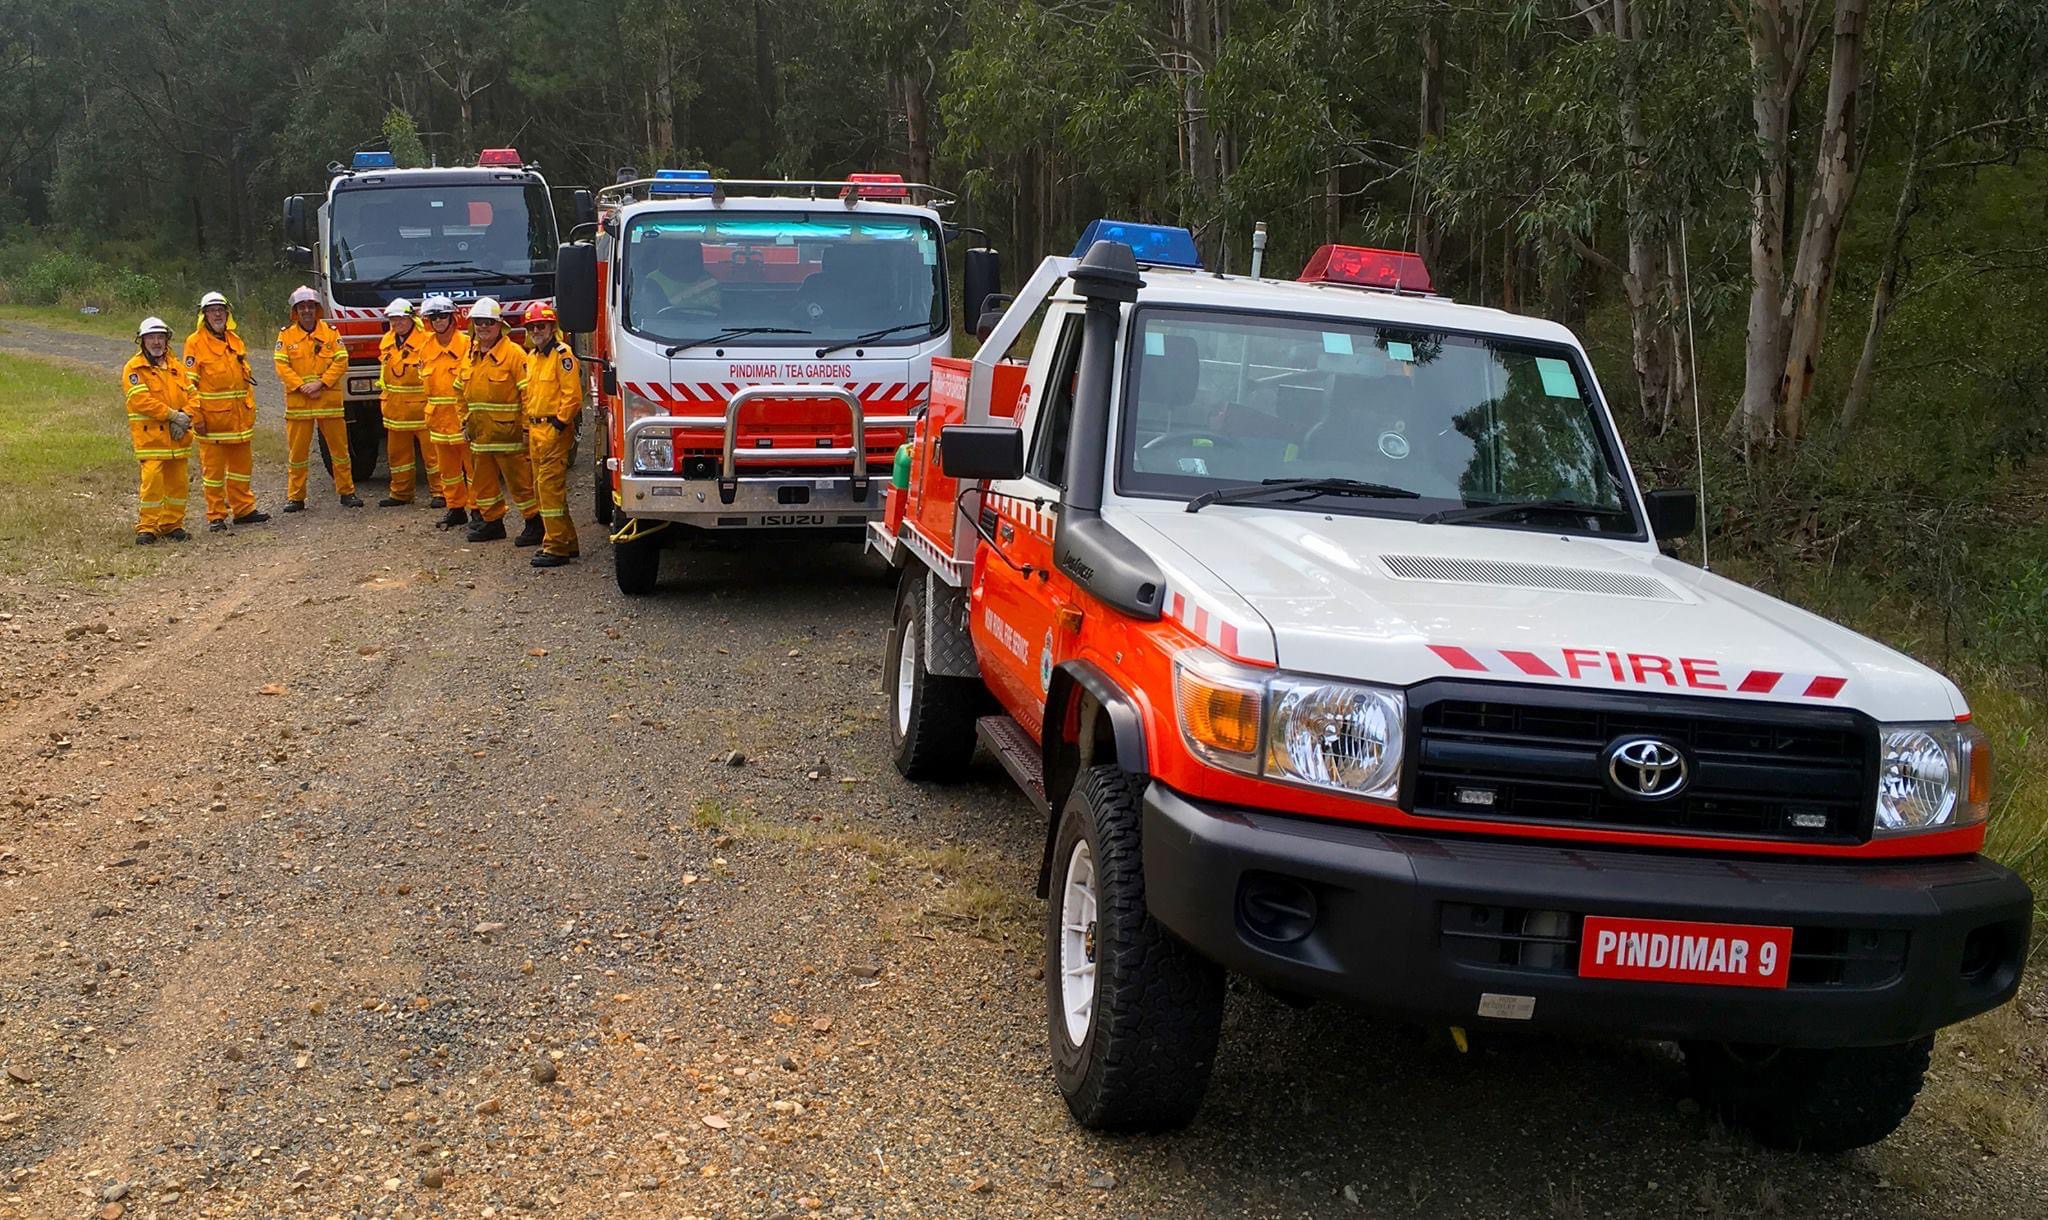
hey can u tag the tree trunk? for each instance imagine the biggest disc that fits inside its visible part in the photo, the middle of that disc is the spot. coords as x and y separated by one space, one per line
1431 126
1770 31
663 136
1892 270
764 83
1834 188
917 127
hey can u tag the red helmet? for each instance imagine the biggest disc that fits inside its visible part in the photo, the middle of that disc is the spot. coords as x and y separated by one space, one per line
539 311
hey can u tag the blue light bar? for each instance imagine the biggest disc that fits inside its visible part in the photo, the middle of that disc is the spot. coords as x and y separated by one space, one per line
1158 245
375 160
682 182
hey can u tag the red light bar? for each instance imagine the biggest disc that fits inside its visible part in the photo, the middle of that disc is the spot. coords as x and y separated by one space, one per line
501 156
875 186
1365 267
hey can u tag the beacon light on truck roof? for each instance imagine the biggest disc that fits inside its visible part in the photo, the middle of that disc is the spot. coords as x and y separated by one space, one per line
1154 245
672 182
1365 267
875 186
508 158
374 160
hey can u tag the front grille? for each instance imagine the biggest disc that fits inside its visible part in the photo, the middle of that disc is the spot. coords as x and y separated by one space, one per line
1756 770
1547 942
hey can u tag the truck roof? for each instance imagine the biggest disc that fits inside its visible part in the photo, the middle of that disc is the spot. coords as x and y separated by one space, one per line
778 203
1213 290
446 175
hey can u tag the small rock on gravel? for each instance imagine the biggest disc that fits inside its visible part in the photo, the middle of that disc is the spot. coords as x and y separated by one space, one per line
543 1072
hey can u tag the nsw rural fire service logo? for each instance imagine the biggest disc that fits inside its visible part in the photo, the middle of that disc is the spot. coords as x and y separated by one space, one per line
1647 768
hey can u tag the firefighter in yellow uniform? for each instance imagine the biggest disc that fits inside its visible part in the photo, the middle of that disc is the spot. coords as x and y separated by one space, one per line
223 384
553 396
491 418
402 389
443 348
310 361
160 423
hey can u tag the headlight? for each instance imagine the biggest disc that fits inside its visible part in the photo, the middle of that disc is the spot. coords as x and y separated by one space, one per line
1932 777
654 453
1338 735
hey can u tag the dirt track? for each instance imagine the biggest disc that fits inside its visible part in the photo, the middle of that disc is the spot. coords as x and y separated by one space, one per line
324 840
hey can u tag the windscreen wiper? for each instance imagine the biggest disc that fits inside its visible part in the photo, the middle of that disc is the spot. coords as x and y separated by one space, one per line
451 263
732 332
873 335
1511 508
1307 487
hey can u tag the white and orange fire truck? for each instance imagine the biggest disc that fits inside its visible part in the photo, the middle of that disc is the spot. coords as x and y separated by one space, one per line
764 347
1328 629
378 233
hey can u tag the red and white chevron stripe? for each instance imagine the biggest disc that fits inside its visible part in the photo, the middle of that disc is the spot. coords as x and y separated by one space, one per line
1236 641
1606 667
880 398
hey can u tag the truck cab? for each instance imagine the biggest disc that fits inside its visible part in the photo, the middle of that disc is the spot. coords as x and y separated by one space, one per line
1328 630
766 344
378 233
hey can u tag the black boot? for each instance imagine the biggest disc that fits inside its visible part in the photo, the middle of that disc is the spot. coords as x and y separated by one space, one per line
391 502
545 560
351 500
178 535
254 516
145 540
438 502
531 535
295 506
217 527
452 518
487 531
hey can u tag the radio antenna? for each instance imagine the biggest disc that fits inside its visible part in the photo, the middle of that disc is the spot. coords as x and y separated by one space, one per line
1692 356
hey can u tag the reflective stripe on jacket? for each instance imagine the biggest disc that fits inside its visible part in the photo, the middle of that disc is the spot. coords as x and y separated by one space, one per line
152 392
315 355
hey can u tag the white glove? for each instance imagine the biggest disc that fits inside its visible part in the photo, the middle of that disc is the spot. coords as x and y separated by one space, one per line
181 424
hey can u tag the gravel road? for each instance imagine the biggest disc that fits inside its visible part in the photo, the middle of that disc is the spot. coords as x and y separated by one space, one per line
350 870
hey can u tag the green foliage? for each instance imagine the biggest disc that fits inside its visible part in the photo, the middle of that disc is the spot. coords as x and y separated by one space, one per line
403 137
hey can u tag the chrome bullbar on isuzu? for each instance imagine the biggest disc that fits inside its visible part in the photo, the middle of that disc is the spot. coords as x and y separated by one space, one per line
650 488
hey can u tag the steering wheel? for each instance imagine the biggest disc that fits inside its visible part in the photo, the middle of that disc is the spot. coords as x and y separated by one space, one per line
1188 437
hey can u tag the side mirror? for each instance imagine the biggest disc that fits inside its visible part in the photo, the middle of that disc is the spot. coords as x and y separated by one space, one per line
299 256
972 453
981 277
576 287
295 221
1674 512
585 206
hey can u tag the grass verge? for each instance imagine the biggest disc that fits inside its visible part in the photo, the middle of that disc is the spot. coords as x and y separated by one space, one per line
67 504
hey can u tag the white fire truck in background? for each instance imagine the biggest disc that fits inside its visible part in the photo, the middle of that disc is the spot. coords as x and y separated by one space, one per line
379 232
764 347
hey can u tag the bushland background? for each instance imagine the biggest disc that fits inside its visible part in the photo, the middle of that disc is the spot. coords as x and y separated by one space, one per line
1846 202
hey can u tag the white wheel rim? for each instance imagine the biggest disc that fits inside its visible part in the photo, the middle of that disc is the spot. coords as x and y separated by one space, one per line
906 676
1077 943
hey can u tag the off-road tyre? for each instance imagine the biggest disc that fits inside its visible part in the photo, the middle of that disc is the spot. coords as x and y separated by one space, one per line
601 496
637 565
1144 1062
932 738
1809 1100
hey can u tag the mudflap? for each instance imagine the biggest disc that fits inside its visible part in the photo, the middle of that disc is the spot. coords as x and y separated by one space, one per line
948 650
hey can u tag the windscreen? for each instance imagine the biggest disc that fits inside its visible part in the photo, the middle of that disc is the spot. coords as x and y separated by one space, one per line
823 277
421 233
1216 400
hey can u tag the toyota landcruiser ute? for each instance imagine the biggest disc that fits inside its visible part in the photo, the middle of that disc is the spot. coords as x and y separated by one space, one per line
1328 629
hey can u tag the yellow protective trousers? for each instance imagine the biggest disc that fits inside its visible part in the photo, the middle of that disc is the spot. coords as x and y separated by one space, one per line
550 450
160 503
224 468
400 444
298 447
498 464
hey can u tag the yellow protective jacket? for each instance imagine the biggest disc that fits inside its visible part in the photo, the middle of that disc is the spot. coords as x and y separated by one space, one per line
315 355
489 390
552 387
217 368
402 380
442 364
153 392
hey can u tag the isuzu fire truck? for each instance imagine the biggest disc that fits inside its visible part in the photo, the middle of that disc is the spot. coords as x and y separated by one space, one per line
764 346
1328 629
379 233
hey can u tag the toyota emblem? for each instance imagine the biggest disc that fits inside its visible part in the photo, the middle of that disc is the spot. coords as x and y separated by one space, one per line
1647 768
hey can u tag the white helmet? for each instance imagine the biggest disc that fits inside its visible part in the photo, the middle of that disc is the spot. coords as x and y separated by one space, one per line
486 309
400 308
302 295
213 298
437 304
153 326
